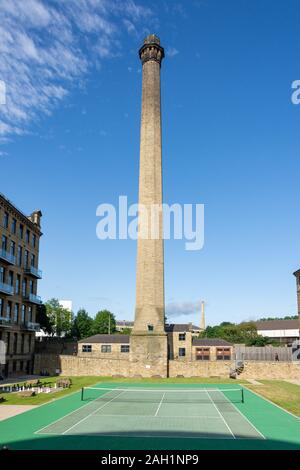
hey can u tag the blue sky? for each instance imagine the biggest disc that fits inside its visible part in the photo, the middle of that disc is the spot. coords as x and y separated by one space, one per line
69 140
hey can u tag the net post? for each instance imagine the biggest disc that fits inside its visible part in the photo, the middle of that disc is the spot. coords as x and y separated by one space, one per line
243 399
82 393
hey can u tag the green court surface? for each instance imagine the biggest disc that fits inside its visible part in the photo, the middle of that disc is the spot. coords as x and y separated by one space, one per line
152 416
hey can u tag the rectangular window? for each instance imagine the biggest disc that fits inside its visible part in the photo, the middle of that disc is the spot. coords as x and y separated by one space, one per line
32 260
124 348
181 352
16 313
27 236
13 226
15 346
5 220
223 354
2 274
202 354
22 343
150 327
23 313
21 231
24 287
33 240
181 336
4 243
29 343
29 314
18 283
105 348
8 310
11 278
20 255
26 258
1 307
86 348
12 248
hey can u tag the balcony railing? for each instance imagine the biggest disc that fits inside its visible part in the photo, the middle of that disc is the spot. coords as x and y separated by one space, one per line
5 321
6 288
32 326
32 271
34 299
8 257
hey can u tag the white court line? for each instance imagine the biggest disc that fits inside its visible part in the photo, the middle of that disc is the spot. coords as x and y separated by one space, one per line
91 414
63 417
245 418
221 416
153 436
158 408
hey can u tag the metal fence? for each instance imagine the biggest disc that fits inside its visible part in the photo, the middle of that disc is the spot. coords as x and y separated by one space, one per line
266 353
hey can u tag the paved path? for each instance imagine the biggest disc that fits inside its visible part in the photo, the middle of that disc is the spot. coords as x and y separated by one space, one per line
7 411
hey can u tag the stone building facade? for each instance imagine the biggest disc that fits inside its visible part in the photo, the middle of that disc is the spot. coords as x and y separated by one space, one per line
19 274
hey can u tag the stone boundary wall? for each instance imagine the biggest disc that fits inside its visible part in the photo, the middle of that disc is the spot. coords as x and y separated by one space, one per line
73 365
253 369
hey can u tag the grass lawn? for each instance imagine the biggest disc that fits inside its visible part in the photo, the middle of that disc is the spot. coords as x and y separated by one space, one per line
282 393
85 381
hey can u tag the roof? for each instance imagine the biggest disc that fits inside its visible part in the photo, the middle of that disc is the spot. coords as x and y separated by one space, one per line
180 327
124 323
25 218
210 342
277 325
108 339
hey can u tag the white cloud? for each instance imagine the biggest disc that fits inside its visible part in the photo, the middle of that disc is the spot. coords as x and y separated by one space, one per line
48 47
171 52
177 309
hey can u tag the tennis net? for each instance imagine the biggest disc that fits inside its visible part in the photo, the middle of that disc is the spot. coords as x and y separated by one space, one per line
137 395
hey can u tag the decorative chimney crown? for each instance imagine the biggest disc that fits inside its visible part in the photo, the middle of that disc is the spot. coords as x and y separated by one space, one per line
151 50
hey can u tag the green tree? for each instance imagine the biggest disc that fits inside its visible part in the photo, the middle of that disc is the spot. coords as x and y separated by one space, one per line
244 332
61 319
82 325
43 319
104 323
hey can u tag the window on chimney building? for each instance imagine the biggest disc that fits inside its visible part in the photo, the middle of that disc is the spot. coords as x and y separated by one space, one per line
150 327
181 336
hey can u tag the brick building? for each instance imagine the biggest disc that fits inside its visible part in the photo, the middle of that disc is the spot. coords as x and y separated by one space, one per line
19 274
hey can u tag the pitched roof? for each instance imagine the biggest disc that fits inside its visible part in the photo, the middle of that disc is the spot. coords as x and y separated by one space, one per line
181 327
124 323
210 342
277 325
108 339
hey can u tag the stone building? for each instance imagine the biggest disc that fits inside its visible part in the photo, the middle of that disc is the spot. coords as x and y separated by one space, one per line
19 274
283 331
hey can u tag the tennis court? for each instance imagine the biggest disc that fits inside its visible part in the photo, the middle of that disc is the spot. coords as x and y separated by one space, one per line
126 416
201 413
